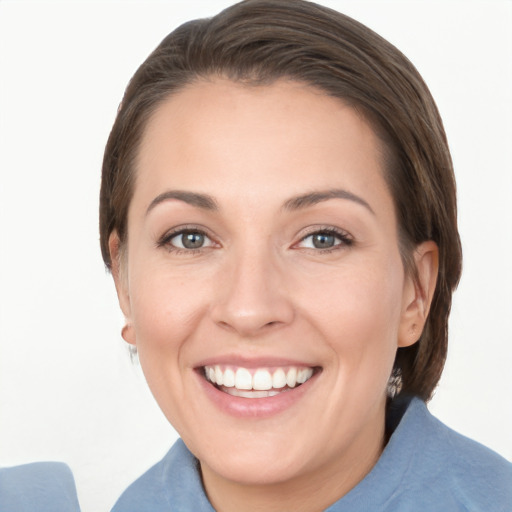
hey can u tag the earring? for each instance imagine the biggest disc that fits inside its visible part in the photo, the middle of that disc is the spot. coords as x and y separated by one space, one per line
394 383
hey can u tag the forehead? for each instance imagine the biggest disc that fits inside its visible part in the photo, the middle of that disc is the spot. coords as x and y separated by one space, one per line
217 135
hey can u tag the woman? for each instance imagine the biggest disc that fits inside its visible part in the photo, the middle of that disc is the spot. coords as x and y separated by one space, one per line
278 211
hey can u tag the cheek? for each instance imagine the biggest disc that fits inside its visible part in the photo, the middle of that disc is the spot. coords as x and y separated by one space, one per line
165 308
358 312
165 313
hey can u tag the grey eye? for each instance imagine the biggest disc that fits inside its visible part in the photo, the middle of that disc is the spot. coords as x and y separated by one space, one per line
190 240
323 240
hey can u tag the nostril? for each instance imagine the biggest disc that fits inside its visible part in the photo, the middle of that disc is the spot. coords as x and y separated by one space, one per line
226 325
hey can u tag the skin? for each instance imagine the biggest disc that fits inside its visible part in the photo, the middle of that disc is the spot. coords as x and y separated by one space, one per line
261 289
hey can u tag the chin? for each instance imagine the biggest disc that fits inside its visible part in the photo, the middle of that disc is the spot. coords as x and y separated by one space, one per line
254 469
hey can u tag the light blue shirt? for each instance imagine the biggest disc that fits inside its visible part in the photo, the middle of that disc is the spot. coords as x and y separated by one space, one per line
425 467
38 487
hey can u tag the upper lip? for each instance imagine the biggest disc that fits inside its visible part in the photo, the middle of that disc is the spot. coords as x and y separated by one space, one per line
254 362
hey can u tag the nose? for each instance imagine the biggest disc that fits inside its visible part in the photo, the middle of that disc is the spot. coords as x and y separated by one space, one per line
252 297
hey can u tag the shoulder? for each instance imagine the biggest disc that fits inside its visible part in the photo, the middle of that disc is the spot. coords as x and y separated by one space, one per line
429 467
449 466
42 486
174 481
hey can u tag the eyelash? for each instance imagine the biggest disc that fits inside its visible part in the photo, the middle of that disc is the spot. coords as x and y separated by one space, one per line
345 239
165 240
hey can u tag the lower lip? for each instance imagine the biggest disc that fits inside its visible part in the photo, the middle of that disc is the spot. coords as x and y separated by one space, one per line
255 407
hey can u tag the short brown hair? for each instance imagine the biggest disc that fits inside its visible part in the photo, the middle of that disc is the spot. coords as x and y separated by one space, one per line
260 41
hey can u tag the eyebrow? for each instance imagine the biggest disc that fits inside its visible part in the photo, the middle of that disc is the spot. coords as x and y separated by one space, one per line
312 198
202 201
207 202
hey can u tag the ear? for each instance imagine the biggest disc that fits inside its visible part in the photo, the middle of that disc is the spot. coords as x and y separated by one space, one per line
418 293
119 274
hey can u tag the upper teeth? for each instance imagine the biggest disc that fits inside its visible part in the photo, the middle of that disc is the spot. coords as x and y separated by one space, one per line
257 379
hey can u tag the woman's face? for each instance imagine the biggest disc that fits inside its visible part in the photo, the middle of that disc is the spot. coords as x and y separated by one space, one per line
262 252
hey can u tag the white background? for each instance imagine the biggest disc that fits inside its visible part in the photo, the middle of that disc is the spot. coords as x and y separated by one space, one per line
68 390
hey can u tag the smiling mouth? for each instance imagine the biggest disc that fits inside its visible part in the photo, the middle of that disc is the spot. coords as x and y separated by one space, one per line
257 382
